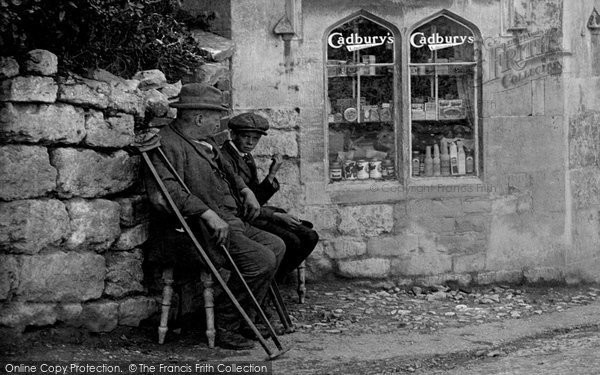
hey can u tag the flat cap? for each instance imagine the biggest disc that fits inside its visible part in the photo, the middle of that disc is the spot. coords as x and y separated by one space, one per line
249 122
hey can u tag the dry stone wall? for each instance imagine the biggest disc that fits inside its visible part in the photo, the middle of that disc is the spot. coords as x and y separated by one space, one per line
73 216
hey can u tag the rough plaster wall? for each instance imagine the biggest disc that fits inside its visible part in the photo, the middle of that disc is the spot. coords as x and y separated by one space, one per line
583 121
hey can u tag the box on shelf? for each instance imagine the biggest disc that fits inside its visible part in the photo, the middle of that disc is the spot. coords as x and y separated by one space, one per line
418 111
451 109
430 111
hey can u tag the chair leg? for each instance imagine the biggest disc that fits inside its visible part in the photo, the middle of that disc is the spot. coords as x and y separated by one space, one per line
207 282
301 282
167 277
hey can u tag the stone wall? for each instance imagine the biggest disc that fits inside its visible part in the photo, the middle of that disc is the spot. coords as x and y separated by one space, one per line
73 215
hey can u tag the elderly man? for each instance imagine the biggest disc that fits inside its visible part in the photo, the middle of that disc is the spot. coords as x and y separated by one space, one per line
220 201
246 130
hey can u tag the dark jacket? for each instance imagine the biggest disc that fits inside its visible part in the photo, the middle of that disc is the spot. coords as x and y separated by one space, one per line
213 185
262 190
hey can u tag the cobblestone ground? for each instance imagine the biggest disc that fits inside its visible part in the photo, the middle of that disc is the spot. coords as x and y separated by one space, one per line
352 311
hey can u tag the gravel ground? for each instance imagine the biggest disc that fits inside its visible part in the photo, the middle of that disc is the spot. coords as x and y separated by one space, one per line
342 308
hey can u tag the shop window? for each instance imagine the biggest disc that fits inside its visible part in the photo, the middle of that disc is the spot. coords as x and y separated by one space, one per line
443 91
361 77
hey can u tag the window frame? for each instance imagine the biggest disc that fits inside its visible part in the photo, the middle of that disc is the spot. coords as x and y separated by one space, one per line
477 98
398 108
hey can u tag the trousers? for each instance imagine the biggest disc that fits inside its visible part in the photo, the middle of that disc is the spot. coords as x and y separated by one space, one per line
257 255
299 243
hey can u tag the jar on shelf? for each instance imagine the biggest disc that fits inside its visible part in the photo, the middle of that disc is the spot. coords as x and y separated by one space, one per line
362 167
335 171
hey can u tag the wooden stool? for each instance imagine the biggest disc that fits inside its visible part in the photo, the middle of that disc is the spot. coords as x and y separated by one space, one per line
301 282
208 293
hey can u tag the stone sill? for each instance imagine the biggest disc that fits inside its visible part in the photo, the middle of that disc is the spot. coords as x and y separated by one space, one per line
390 191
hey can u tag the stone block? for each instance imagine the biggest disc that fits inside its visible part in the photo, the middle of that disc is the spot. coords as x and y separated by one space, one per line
89 174
134 310
69 312
61 277
468 263
125 98
289 197
94 224
107 77
211 73
28 226
372 268
366 221
124 273
282 142
505 276
171 90
40 61
156 103
114 132
462 243
159 122
28 89
422 262
25 172
543 274
8 67
134 210
21 315
84 92
346 247
476 206
100 316
397 246
132 237
9 276
318 264
401 219
213 47
324 218
150 79
31 123
432 224
435 207
472 223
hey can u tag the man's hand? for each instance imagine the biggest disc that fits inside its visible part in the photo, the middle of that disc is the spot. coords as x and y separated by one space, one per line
287 219
251 205
218 225
277 161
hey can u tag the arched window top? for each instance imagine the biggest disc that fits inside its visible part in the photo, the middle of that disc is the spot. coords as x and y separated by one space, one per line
360 33
442 40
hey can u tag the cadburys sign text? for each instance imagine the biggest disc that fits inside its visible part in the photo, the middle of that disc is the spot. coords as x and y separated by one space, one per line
355 42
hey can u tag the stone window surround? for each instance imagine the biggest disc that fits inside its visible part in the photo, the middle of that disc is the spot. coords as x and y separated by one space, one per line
405 187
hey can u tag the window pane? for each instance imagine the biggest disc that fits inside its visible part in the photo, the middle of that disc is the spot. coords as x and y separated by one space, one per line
360 103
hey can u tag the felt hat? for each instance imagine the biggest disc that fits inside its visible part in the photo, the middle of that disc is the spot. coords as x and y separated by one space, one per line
200 96
249 122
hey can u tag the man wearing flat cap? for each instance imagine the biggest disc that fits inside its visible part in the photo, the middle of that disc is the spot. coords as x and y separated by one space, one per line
300 239
220 201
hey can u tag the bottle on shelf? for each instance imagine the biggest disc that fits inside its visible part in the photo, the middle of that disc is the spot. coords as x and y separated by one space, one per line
415 163
470 163
335 171
444 160
428 162
462 168
453 159
436 160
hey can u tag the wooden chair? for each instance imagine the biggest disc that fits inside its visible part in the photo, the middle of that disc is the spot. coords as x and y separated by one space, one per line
167 295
